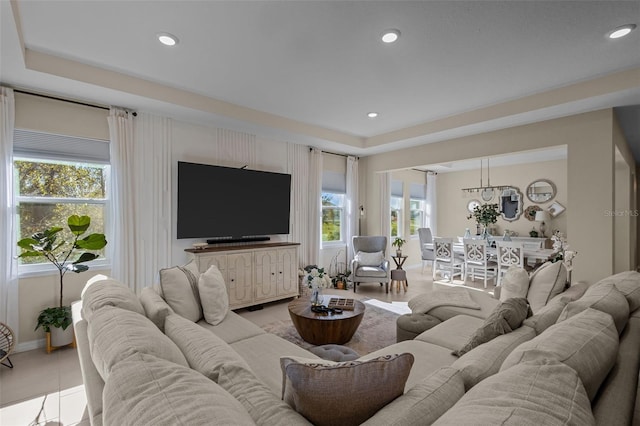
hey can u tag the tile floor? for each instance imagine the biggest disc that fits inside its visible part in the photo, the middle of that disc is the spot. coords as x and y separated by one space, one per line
46 389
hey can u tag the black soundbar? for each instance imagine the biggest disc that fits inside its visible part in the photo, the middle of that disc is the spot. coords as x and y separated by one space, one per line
225 240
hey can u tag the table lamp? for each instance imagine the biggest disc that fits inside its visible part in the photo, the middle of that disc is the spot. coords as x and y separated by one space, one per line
542 216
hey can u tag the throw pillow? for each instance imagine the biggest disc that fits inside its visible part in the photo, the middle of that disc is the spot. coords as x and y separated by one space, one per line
101 291
369 259
179 287
213 295
545 283
155 308
505 318
309 387
604 297
587 342
515 283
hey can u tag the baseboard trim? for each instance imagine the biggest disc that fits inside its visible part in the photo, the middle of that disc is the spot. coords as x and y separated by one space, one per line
30 345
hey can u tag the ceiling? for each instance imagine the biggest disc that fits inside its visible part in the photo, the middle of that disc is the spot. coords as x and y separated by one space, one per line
310 71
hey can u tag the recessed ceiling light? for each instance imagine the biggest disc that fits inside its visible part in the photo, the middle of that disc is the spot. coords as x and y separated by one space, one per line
621 31
372 114
390 36
167 39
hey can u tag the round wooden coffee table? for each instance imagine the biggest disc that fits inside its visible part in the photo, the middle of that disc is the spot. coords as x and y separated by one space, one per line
319 329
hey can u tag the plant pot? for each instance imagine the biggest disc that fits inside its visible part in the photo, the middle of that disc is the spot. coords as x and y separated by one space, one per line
399 253
58 337
340 285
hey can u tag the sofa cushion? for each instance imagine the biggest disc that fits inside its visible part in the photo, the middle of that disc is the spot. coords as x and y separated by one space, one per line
264 407
233 328
369 258
424 402
629 284
213 295
529 394
486 302
453 333
586 342
205 352
155 308
115 334
309 387
179 287
449 296
507 317
604 297
145 390
485 360
549 314
545 283
104 291
514 283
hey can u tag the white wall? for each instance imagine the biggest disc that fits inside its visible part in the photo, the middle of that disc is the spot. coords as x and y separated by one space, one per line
452 202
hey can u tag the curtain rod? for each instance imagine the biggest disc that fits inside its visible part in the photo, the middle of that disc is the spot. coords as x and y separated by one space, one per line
335 153
60 99
424 171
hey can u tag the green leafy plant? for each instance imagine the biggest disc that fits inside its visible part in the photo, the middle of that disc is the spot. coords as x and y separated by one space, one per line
486 214
341 277
66 256
398 242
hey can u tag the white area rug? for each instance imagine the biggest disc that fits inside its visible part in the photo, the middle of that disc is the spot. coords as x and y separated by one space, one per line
399 308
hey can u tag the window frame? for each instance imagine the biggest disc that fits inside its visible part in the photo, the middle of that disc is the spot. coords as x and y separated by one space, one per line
421 210
400 216
46 267
342 210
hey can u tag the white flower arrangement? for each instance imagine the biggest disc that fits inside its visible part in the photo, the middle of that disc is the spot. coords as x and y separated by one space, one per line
561 247
317 277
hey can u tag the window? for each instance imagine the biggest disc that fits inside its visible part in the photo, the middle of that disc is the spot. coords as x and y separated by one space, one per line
417 215
332 217
334 189
397 208
417 206
54 182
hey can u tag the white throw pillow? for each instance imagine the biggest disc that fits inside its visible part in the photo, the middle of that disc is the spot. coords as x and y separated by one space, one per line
179 288
213 295
545 283
369 259
515 283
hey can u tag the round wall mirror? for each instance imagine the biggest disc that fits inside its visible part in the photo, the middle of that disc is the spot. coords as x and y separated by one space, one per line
541 191
471 205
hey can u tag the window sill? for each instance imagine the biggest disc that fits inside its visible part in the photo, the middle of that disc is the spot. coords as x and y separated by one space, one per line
44 269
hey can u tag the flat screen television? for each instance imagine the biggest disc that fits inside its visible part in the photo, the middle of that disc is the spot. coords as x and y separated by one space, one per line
231 203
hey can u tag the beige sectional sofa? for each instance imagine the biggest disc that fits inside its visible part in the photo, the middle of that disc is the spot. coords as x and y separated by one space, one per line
574 362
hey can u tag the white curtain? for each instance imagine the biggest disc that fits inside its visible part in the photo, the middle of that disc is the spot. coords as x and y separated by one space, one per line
431 213
315 207
385 205
122 242
8 235
153 224
236 148
299 168
352 206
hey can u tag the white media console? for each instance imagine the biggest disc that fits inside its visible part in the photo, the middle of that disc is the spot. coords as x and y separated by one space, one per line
253 273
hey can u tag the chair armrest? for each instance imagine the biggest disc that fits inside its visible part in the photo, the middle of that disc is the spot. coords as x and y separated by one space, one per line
354 266
385 265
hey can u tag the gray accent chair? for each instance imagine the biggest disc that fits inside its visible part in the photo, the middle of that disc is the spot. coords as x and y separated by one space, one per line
366 273
427 254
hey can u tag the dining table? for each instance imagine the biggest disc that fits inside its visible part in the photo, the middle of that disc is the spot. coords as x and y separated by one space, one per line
529 253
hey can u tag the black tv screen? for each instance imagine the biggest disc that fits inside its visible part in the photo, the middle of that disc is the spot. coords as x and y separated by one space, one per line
224 202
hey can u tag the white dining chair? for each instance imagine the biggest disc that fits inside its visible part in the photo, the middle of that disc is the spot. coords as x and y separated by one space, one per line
476 256
445 259
509 253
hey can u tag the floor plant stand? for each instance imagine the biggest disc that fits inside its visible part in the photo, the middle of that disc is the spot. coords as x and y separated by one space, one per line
7 343
51 347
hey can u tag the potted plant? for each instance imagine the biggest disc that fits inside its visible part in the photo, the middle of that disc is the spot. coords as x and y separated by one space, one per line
486 214
398 243
340 280
66 255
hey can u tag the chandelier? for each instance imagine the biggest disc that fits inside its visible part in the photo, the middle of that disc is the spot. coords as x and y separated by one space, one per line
486 191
